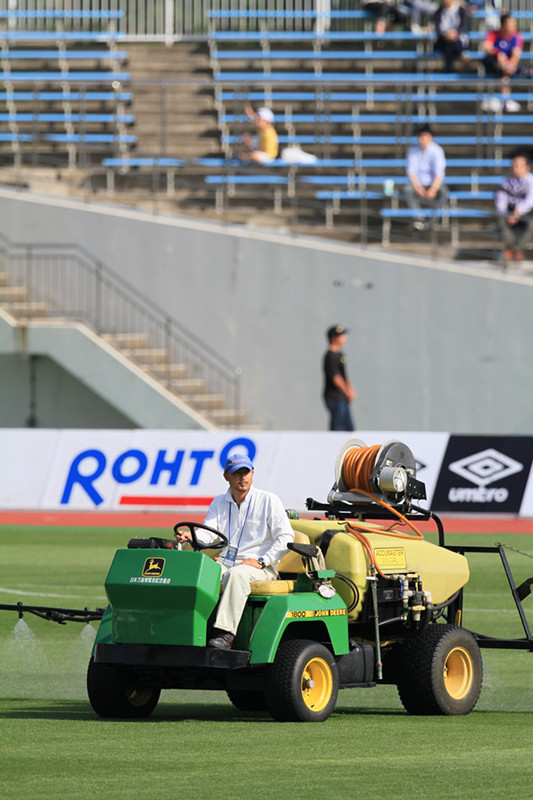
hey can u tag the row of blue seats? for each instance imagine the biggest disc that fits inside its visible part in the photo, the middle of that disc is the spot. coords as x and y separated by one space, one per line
69 55
296 14
85 76
69 138
58 14
392 140
60 36
37 96
337 55
335 36
335 163
424 95
66 116
392 119
388 78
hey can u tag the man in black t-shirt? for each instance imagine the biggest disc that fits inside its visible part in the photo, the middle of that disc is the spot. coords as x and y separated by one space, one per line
338 391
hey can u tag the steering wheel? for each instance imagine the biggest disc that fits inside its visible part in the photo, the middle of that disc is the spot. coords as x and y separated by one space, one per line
196 545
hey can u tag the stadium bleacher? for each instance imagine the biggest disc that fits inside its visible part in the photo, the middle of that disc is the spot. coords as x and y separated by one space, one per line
309 78
72 95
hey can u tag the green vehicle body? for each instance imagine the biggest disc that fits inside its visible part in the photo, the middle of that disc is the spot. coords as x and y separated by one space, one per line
176 607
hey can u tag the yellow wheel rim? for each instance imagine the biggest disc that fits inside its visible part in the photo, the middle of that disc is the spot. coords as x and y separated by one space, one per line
458 673
317 684
138 697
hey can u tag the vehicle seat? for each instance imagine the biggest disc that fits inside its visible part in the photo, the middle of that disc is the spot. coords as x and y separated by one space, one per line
290 565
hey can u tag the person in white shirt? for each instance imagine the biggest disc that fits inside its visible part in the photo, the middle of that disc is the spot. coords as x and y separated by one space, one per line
258 532
426 169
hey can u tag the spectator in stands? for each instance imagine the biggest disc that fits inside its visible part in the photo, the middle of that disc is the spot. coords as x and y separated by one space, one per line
426 168
387 13
263 147
451 26
503 49
491 9
338 391
514 205
418 9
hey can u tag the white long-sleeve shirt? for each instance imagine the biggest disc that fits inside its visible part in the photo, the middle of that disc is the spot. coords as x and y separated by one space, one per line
259 527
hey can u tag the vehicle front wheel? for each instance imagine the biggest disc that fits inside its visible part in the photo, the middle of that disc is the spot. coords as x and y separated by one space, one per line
302 684
441 672
113 692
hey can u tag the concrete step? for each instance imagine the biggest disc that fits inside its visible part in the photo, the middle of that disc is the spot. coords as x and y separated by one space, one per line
147 355
130 341
169 372
189 386
13 294
209 401
22 310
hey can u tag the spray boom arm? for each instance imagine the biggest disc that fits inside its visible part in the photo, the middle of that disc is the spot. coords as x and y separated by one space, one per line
60 615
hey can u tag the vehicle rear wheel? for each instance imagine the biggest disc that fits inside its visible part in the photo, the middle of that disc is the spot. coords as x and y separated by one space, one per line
302 684
441 672
247 700
113 692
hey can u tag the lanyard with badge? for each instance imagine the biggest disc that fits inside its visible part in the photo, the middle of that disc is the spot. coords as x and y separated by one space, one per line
231 551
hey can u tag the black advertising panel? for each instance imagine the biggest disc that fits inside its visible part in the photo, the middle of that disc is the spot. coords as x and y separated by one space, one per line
483 474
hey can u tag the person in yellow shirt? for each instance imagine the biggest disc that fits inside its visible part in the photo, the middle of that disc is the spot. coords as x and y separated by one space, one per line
263 147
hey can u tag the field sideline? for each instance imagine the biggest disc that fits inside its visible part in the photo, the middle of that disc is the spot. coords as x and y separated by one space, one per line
124 519
197 745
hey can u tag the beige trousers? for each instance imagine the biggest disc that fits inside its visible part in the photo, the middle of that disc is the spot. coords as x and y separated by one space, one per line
236 582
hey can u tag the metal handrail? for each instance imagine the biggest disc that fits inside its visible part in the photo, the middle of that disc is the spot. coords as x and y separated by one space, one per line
74 284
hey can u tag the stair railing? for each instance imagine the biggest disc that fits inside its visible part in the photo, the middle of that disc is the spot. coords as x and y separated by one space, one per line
75 285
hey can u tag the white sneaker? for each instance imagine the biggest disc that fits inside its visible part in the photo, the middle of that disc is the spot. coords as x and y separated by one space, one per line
492 104
512 106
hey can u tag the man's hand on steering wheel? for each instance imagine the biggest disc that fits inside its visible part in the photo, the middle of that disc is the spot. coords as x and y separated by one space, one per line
186 532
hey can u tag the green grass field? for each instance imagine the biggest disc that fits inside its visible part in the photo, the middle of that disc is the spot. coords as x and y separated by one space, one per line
196 745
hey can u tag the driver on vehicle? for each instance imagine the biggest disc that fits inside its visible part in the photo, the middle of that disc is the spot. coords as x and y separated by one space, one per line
258 532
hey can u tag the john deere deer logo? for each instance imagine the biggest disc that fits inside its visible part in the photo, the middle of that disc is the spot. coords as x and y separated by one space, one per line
154 566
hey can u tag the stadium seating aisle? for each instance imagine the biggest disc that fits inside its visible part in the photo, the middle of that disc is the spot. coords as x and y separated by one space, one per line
62 97
340 91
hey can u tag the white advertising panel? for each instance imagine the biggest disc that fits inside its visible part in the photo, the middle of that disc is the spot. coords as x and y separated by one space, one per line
161 470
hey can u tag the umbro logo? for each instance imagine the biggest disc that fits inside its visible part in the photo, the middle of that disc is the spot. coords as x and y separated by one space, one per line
486 467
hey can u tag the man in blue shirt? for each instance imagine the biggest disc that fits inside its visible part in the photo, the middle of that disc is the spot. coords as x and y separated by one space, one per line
426 169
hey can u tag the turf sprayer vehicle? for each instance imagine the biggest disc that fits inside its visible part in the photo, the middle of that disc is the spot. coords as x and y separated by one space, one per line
362 600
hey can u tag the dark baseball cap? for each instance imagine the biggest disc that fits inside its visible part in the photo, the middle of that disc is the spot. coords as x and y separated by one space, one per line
336 330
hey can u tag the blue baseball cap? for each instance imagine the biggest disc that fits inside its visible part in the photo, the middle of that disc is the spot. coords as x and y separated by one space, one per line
237 461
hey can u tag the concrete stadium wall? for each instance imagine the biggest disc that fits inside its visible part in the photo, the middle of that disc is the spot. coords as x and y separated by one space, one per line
433 345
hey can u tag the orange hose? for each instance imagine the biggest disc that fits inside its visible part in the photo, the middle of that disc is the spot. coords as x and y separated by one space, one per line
358 465
356 470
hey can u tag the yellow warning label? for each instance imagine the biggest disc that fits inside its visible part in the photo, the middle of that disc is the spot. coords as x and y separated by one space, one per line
317 612
390 558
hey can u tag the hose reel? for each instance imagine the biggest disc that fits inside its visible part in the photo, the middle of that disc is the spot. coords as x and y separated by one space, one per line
387 471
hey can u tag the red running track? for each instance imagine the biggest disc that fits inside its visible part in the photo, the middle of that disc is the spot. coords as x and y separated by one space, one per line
138 519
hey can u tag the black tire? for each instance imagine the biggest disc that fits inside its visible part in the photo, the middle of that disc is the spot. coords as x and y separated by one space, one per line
113 693
302 684
247 701
441 672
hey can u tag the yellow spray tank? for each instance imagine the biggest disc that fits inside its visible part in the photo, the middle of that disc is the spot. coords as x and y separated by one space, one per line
384 475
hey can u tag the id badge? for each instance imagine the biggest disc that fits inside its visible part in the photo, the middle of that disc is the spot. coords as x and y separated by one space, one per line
230 557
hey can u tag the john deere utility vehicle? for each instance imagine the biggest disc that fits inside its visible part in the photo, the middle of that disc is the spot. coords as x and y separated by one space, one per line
358 603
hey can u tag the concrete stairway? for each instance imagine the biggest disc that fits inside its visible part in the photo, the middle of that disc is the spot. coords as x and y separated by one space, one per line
180 119
135 349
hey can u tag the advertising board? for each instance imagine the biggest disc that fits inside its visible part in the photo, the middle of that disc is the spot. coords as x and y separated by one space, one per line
113 470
